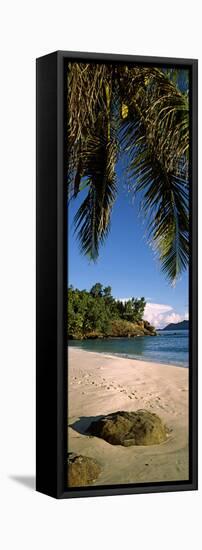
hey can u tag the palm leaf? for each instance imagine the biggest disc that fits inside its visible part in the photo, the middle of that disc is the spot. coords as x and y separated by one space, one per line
94 163
86 115
92 220
162 110
144 110
164 201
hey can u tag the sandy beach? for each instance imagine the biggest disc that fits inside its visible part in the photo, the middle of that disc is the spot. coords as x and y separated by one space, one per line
99 384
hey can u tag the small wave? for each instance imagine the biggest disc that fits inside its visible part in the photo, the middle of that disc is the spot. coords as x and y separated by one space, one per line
136 357
148 359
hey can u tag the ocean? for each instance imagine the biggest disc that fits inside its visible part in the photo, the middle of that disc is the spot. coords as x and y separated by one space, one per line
168 347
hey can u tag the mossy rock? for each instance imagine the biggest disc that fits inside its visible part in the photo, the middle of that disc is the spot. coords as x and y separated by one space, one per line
82 470
130 428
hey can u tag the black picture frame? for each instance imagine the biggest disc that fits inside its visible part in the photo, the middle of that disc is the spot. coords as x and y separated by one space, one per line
51 277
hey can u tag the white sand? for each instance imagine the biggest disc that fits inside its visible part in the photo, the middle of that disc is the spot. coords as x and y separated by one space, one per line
99 384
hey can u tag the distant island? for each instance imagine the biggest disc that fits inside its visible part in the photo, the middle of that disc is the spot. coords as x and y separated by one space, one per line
183 325
97 314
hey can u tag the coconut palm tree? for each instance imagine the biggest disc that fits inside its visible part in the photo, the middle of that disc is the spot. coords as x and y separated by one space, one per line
138 112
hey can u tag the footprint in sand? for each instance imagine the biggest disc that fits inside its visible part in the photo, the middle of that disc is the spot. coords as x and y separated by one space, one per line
162 407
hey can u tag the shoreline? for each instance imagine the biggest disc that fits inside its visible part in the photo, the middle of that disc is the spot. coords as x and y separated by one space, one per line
129 357
99 384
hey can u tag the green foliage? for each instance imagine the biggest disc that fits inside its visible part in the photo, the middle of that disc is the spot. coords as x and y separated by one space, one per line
97 313
120 328
96 290
144 113
133 309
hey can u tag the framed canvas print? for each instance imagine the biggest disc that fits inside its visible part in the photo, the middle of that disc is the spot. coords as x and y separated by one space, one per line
116 274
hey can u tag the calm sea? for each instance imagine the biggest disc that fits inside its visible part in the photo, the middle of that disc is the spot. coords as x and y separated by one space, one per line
167 347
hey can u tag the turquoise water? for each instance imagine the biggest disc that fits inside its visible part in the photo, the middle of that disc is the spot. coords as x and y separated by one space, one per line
167 347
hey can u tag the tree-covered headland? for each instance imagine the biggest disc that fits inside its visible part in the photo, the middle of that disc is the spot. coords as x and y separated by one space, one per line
97 314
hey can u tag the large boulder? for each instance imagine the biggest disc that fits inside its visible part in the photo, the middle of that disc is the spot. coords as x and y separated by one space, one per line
130 428
82 470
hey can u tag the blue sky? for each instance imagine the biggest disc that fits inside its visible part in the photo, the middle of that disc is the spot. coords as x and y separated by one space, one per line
127 263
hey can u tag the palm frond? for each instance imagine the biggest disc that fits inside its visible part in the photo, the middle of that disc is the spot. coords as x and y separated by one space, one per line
163 111
86 114
92 220
155 136
164 201
144 111
93 154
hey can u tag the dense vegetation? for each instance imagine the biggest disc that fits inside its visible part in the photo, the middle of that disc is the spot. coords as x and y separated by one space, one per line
97 314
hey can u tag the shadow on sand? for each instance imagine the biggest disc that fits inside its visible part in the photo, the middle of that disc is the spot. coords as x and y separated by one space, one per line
81 426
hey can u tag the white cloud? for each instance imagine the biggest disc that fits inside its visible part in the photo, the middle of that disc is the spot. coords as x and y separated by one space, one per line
161 315
173 318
